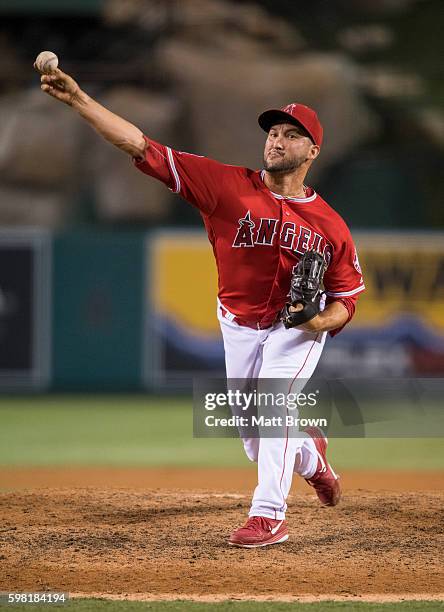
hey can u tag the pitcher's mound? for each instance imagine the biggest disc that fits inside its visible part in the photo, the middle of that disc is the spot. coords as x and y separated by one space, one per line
157 542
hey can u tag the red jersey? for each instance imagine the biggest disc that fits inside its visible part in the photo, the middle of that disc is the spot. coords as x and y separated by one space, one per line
258 236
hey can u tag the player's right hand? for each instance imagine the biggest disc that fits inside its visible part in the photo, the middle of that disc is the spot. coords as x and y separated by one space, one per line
60 86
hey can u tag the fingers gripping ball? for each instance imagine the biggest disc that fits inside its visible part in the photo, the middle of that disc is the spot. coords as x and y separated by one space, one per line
56 83
46 62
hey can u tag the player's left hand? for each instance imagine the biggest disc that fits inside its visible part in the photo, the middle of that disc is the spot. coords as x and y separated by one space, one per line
313 325
333 316
305 291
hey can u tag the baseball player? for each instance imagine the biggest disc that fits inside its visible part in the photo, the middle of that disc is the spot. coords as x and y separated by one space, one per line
260 224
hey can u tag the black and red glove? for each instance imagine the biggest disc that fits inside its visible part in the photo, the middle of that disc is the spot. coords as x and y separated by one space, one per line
305 289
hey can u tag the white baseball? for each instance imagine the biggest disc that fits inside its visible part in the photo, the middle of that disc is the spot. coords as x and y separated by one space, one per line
46 62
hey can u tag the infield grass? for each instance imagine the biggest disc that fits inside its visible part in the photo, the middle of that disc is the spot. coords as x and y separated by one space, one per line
121 430
97 605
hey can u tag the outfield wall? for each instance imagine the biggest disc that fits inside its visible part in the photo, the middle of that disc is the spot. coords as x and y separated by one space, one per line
111 311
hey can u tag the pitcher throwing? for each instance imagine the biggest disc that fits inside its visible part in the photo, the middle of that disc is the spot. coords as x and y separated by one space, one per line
260 224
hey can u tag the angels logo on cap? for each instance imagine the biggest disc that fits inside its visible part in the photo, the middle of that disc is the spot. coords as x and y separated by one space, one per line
299 114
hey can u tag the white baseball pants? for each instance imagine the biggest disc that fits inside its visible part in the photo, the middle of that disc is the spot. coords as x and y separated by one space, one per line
276 353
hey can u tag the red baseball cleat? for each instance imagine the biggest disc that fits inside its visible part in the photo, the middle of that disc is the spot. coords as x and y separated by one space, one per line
259 531
324 481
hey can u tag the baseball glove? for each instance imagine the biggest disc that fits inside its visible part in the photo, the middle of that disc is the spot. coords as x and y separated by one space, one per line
305 289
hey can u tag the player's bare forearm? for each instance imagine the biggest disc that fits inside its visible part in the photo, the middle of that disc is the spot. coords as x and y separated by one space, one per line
333 316
111 127
114 129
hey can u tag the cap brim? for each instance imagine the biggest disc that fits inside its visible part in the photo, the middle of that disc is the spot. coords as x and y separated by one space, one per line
276 116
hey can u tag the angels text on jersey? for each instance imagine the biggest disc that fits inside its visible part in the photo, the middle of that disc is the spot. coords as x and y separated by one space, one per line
265 231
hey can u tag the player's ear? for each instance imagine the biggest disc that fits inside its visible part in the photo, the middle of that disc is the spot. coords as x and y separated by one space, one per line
313 152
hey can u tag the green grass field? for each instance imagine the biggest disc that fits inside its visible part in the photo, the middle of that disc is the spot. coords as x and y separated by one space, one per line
124 430
142 431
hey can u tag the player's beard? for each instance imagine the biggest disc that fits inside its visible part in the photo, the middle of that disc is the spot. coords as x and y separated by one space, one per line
283 165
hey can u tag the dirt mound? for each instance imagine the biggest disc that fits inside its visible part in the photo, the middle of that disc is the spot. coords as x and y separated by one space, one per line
125 541
212 478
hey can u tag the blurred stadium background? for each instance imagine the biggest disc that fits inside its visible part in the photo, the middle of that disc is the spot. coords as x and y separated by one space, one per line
107 282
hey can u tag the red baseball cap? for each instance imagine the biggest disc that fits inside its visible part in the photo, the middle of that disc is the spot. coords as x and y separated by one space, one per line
298 114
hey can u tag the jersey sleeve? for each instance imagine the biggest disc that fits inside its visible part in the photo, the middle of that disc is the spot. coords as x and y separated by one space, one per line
343 279
199 180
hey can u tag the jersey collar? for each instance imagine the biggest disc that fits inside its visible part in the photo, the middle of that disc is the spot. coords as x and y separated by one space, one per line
281 197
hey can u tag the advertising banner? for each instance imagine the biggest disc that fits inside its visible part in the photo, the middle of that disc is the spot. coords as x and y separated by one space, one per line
398 328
